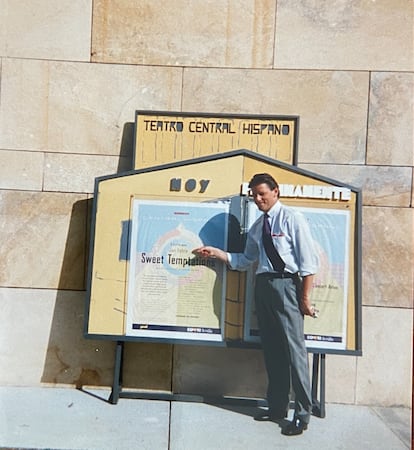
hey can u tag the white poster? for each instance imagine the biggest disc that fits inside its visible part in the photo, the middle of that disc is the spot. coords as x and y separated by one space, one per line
171 292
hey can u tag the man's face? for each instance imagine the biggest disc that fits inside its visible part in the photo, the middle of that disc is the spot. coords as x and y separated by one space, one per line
264 197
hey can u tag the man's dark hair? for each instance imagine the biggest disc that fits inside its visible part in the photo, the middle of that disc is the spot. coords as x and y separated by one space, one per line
261 178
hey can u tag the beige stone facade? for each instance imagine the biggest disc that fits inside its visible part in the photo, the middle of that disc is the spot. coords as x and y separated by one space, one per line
72 75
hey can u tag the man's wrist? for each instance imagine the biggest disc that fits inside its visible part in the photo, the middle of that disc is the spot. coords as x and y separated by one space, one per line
306 301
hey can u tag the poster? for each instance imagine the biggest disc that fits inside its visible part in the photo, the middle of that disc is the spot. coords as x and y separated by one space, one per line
330 231
171 292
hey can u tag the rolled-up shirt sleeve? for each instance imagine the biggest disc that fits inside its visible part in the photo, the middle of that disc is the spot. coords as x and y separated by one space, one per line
303 246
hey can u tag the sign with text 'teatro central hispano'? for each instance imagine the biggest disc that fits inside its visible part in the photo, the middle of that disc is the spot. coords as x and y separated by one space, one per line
163 137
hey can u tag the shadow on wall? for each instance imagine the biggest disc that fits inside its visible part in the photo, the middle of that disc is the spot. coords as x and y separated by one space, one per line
126 154
73 360
70 359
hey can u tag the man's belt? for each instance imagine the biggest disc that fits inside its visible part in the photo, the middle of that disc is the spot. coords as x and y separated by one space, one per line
278 275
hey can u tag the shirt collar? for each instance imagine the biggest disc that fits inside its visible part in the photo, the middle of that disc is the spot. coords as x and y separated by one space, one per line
274 210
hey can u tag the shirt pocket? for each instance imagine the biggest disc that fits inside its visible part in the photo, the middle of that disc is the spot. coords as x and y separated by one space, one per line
281 243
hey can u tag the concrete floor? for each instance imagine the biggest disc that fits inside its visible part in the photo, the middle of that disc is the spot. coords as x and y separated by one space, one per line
65 418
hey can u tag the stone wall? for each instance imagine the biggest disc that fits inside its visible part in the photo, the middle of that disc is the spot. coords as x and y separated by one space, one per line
72 75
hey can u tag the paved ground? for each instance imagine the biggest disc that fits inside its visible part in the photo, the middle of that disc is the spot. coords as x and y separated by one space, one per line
54 418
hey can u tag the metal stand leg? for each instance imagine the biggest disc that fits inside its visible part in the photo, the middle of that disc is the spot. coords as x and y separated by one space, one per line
117 381
318 406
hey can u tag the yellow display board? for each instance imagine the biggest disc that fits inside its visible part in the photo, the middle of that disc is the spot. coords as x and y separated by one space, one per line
213 179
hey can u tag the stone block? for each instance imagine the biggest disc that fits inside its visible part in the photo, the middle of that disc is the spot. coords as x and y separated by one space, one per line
44 30
43 240
42 341
332 105
384 373
79 108
147 366
21 170
241 373
346 35
51 348
391 119
380 185
341 378
24 104
199 33
219 371
387 257
76 173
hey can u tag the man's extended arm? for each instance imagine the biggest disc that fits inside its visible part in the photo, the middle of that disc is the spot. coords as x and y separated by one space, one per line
211 252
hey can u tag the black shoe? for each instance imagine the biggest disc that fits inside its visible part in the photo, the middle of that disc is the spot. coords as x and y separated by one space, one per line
270 416
297 426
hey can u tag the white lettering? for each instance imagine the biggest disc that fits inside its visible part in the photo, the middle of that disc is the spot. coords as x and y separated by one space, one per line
315 191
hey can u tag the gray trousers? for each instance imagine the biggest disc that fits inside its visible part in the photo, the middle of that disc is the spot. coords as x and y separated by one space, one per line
281 331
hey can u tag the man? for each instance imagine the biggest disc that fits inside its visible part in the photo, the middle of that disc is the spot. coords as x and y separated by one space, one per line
284 279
